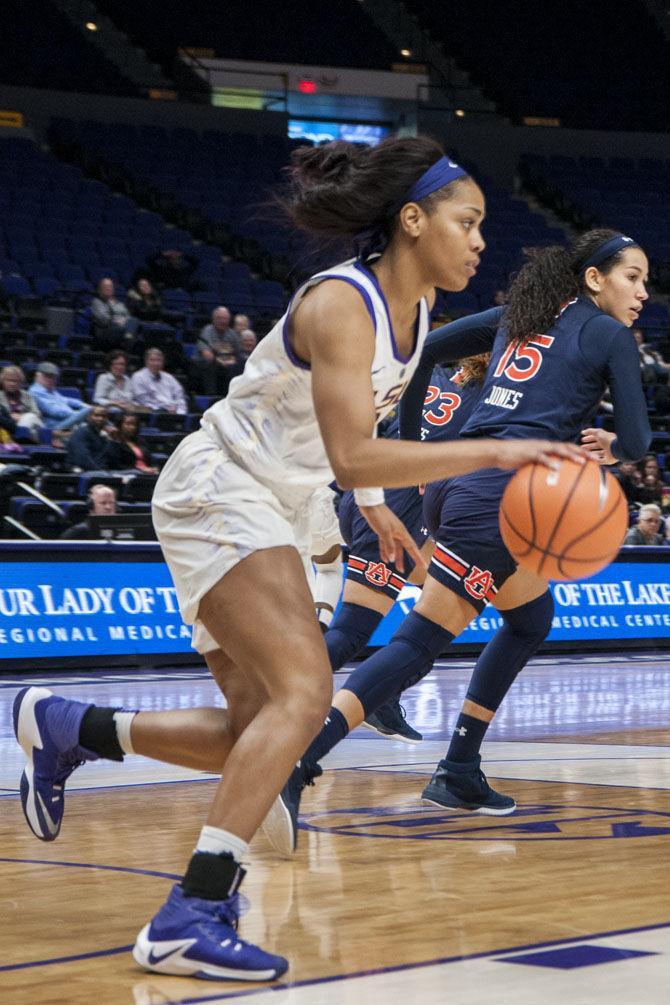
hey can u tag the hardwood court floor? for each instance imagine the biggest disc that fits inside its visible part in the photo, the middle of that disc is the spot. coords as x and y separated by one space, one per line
566 900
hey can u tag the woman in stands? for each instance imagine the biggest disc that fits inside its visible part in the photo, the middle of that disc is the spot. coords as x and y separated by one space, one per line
562 339
133 456
229 511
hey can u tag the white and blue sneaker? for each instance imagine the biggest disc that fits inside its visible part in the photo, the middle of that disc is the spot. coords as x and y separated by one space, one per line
47 728
190 937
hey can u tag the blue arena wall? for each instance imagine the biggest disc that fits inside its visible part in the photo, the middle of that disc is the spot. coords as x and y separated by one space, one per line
65 604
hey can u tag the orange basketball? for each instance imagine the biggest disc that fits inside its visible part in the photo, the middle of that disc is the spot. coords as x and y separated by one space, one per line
566 523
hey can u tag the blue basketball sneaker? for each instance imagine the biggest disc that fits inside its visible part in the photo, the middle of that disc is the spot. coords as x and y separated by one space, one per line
281 824
47 728
459 786
389 720
190 937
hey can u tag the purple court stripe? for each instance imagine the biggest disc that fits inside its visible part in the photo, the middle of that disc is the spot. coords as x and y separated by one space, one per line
67 959
401 967
89 865
123 785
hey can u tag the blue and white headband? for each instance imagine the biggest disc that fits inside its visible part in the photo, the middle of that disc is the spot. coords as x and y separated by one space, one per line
441 173
604 251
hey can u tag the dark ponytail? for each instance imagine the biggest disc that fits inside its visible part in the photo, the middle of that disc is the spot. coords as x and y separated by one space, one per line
550 278
339 189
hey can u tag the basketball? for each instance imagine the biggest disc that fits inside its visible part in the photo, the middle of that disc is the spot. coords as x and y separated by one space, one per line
563 523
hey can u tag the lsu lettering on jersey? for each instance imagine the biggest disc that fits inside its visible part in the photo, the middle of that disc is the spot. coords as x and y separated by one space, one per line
268 422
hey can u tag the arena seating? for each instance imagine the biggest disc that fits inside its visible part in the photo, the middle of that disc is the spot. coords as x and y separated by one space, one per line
41 48
539 60
286 35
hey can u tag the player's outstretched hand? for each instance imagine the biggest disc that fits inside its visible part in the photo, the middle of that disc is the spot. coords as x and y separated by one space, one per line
394 538
599 442
515 453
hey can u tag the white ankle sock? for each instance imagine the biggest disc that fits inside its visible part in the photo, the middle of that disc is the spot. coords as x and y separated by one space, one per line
123 722
218 841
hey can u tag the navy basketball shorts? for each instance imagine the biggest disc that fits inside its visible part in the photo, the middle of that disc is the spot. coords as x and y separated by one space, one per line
364 564
470 557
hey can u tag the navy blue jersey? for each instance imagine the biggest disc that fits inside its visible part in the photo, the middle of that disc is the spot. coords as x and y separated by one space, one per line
447 407
550 386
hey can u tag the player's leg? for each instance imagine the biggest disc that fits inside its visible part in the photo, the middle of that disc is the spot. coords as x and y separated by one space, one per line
199 738
46 725
526 606
257 625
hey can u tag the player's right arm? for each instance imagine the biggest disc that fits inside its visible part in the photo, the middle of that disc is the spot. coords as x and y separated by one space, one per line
332 331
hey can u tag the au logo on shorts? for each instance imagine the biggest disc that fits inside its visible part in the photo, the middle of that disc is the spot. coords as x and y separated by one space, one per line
478 582
533 822
377 574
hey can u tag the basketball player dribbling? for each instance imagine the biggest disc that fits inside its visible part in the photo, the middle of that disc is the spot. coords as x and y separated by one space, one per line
562 338
229 509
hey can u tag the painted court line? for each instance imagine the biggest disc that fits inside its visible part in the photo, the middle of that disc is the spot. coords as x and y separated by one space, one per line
496 954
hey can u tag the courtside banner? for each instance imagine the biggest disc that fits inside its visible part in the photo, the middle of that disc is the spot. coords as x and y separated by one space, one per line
68 604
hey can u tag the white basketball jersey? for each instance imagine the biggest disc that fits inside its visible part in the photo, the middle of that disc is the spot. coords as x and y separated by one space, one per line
267 421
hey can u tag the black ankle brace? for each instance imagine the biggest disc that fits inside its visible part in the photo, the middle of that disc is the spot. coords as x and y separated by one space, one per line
212 877
97 733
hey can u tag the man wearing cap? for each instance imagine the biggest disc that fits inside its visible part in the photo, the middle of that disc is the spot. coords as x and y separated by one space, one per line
58 410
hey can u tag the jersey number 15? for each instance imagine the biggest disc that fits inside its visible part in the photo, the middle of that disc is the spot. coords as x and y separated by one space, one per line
521 362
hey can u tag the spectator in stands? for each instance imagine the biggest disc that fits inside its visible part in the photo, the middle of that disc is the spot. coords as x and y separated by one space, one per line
112 388
646 530
113 326
90 449
652 480
112 322
172 269
155 389
144 302
7 430
18 402
629 477
241 323
218 337
101 502
248 343
211 375
58 411
499 298
132 455
654 368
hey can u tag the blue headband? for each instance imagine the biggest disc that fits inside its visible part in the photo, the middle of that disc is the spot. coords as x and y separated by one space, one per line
606 250
438 175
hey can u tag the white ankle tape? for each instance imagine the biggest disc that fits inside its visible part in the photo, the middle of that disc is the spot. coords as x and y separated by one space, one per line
123 722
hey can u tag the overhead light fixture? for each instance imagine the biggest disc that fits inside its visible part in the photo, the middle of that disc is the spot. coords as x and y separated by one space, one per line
406 53
91 26
459 113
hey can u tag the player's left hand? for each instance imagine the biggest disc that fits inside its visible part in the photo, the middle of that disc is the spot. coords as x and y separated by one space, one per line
598 443
394 538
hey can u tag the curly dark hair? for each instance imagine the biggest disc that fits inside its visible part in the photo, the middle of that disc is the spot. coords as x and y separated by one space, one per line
339 189
473 368
551 277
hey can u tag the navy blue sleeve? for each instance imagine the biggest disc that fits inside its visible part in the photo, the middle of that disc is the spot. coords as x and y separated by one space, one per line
622 373
468 336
